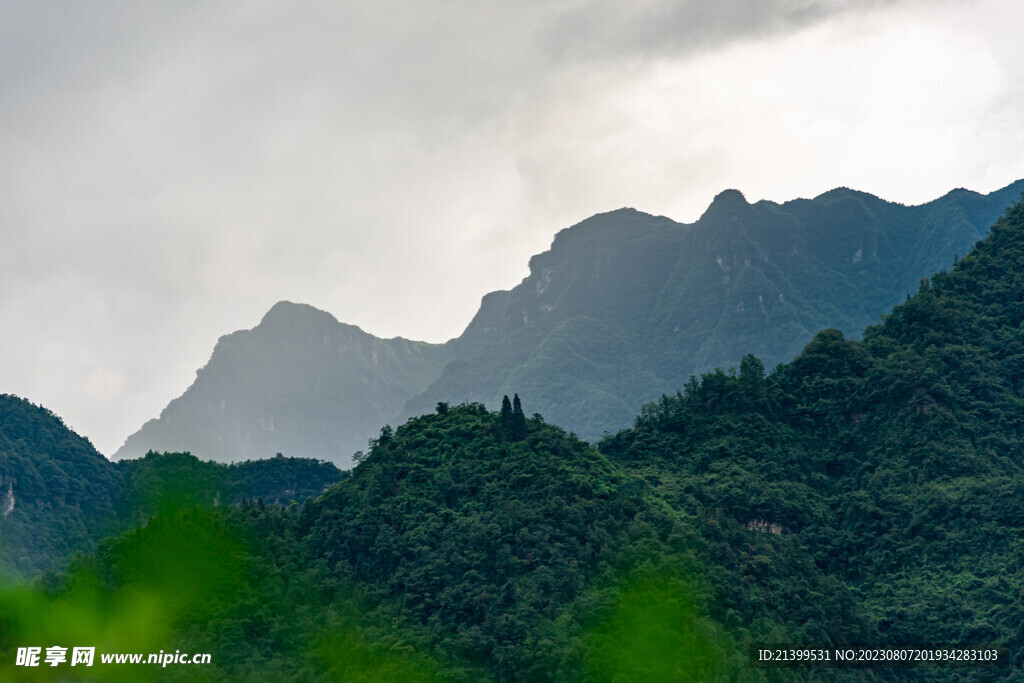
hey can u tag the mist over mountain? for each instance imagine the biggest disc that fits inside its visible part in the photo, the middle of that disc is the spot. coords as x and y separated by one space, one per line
623 307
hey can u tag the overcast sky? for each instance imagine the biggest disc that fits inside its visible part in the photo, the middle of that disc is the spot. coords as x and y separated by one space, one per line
169 170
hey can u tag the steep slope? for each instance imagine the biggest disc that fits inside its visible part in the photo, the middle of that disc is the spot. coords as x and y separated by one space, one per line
299 383
57 493
625 306
896 462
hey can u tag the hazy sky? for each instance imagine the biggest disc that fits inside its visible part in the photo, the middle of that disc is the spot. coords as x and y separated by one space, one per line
169 170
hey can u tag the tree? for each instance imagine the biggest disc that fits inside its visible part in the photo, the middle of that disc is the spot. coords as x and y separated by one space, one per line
386 432
752 381
517 430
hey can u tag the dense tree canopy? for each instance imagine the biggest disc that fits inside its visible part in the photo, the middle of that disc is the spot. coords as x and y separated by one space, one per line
58 495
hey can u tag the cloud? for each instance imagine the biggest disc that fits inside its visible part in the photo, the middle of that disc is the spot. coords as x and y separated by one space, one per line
606 30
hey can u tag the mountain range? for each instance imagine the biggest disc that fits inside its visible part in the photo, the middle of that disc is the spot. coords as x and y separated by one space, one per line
870 491
623 307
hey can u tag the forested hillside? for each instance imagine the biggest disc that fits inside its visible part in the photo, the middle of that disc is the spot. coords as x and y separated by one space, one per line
59 496
162 481
897 462
867 492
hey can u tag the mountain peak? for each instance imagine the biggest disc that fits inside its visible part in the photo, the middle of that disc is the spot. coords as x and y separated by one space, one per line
843 192
729 197
726 203
286 313
615 225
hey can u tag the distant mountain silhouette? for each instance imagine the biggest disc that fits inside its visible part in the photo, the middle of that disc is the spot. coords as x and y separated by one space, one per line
299 383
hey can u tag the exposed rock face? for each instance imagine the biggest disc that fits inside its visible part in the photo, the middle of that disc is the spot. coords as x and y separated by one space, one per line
764 526
7 501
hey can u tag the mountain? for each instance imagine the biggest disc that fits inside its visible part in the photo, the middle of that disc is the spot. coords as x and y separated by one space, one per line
896 463
299 383
625 306
867 492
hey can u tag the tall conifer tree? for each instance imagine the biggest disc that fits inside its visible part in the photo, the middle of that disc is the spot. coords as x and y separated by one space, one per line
518 430
505 418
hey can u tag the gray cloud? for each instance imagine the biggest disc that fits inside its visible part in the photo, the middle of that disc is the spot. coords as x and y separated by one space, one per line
610 30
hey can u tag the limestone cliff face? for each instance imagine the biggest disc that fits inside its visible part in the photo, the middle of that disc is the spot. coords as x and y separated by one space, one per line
7 500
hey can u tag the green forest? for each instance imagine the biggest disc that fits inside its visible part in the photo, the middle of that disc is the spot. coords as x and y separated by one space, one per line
59 496
869 491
